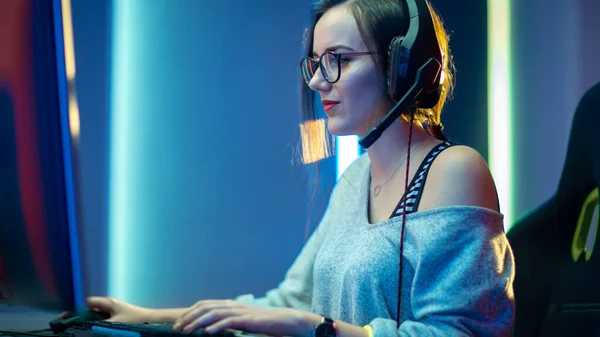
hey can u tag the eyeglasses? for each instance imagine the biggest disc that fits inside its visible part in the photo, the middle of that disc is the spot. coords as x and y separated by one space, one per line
329 62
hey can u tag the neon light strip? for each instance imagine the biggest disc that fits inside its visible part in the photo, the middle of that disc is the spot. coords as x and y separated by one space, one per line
347 150
118 228
500 103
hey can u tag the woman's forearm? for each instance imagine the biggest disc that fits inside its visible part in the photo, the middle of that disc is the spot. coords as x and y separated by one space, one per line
349 330
166 315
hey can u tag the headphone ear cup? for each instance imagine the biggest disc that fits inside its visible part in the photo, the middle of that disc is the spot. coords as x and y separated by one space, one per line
393 77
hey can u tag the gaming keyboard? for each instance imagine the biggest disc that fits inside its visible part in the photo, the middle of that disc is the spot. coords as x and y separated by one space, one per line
150 329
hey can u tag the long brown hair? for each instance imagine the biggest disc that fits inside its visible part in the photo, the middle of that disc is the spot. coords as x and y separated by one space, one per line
378 22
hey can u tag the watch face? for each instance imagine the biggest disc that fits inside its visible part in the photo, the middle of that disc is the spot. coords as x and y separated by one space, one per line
325 330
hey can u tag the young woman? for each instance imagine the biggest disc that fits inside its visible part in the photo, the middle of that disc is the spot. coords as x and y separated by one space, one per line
457 267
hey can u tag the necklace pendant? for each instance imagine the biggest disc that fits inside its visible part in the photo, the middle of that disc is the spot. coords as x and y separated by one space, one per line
377 190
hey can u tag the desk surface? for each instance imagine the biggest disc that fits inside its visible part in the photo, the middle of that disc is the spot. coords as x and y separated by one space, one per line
24 319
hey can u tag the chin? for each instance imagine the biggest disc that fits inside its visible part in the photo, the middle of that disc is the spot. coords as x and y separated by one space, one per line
337 127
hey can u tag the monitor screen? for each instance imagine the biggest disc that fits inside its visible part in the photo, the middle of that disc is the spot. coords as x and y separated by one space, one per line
39 131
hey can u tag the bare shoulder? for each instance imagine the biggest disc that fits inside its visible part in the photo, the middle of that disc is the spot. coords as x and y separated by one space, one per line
459 176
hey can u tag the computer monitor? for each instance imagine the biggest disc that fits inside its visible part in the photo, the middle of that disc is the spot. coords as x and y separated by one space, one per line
40 231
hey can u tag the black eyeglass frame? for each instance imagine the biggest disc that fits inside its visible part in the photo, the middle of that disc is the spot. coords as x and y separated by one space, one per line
319 64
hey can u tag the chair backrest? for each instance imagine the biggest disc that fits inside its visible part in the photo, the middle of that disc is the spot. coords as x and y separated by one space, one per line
557 283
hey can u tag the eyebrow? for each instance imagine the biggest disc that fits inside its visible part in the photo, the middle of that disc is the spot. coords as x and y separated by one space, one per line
335 47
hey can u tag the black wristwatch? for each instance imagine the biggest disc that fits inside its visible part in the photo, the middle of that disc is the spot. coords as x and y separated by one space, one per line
327 328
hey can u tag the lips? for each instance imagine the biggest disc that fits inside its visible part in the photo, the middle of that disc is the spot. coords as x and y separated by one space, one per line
328 105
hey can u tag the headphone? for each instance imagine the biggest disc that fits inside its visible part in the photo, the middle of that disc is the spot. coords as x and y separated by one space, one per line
414 68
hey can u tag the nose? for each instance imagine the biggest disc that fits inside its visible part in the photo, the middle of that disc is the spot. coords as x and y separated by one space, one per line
318 82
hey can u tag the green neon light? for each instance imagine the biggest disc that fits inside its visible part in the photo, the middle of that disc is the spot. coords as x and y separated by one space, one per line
500 103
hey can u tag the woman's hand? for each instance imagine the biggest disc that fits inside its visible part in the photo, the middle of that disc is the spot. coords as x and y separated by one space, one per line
118 311
218 315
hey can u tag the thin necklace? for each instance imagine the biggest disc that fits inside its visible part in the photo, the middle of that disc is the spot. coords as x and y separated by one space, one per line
378 187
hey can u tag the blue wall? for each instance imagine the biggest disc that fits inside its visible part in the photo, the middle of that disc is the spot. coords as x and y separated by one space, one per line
91 24
554 62
205 197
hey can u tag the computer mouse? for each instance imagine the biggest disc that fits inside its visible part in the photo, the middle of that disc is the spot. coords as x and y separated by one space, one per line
61 324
